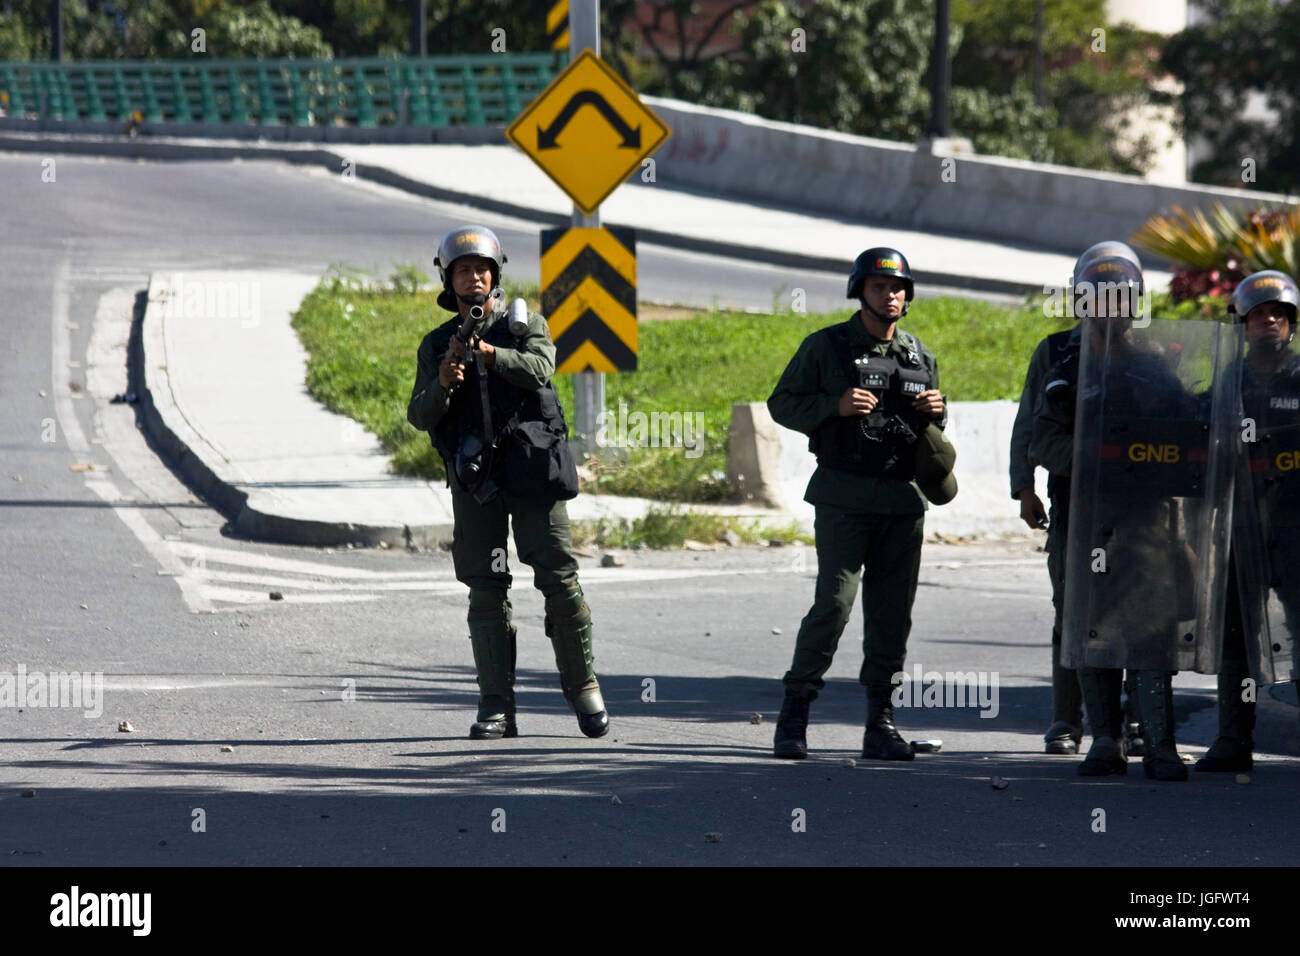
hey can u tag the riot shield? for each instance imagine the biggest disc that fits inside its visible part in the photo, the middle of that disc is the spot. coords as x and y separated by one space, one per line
1151 496
1266 523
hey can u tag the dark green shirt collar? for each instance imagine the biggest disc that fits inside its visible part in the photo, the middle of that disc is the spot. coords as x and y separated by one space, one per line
859 336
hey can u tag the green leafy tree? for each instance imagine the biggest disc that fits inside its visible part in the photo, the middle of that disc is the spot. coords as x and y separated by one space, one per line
260 31
854 66
867 62
1240 47
158 29
1091 79
18 39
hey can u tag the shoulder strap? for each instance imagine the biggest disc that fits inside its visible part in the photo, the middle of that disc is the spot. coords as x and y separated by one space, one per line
1058 345
839 336
483 394
843 349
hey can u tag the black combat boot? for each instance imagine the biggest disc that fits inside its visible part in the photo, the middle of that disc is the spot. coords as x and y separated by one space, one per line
492 637
568 625
881 741
790 741
1134 738
494 727
1232 751
1066 732
1101 689
1156 701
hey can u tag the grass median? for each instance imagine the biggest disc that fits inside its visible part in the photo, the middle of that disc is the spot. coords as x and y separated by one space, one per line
361 337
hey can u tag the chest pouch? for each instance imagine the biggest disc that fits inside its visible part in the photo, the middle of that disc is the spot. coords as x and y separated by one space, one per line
912 382
874 376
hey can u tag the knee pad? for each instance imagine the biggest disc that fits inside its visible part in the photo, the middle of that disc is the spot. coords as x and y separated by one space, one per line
489 610
567 607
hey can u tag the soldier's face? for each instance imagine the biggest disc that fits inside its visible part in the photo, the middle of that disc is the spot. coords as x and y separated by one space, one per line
1269 323
471 275
887 296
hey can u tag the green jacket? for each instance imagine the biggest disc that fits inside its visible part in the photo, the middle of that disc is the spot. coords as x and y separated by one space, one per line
1023 461
808 393
1052 441
530 366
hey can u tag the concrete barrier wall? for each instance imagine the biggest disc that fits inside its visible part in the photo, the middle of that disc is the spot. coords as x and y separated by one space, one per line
856 178
271 132
884 183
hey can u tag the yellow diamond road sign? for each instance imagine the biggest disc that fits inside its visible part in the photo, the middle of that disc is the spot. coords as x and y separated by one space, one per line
588 131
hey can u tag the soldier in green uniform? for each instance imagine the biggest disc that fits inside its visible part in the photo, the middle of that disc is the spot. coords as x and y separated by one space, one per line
486 399
1263 612
1055 351
867 393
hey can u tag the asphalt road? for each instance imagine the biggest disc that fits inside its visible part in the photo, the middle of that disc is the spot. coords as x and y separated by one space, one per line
345 705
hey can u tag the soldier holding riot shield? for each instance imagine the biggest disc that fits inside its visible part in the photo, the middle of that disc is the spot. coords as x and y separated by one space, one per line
1264 587
1150 484
1056 359
483 392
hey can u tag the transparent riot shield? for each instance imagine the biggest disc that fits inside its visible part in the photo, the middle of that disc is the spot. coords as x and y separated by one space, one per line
1266 524
1151 496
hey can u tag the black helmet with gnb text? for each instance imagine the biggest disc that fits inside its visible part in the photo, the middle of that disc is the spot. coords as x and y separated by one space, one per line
1107 249
1109 285
880 261
1260 287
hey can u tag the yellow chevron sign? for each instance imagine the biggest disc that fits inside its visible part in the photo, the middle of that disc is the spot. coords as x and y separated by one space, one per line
589 298
557 25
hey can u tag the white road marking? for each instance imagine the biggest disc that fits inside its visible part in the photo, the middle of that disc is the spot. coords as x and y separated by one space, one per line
236 596
235 577
62 348
145 682
245 559
98 482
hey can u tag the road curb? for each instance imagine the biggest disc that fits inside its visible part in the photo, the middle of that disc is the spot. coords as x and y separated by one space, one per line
170 149
178 444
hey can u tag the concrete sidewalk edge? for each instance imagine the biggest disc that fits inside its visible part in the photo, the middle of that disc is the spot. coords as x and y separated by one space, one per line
176 441
169 149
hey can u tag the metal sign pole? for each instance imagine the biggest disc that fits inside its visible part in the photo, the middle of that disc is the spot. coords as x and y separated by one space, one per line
588 387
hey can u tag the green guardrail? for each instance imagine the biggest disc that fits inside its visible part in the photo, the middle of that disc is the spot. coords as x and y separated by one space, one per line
482 90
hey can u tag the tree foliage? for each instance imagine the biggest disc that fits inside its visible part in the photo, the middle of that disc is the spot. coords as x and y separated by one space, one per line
1088 92
1240 47
159 29
858 66
865 69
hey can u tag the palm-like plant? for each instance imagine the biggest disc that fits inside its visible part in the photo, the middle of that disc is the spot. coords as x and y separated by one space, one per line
1192 239
1213 252
1270 239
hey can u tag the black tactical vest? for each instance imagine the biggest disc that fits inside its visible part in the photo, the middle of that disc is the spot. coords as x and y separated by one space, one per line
879 444
509 405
